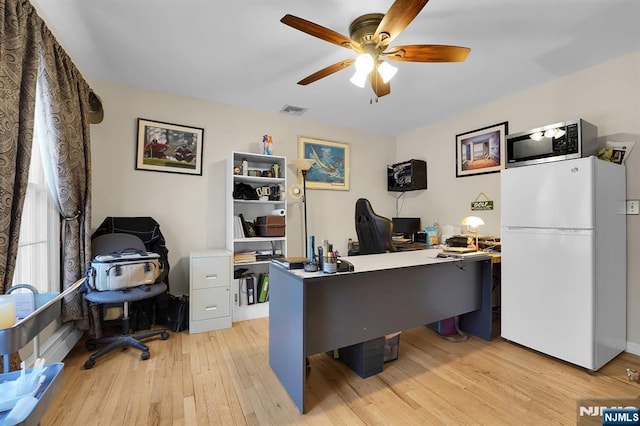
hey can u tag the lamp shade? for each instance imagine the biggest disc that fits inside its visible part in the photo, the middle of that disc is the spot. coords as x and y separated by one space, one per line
386 71
303 164
472 221
359 78
364 63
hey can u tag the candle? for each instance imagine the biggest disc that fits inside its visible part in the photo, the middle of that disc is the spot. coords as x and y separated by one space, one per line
7 312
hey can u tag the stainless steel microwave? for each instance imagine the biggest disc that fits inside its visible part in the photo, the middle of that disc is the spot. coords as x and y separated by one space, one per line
561 141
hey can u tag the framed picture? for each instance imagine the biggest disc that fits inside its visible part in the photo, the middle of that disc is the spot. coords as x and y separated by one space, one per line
331 167
481 151
166 147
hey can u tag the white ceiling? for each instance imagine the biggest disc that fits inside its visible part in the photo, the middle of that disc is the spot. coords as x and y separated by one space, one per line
237 51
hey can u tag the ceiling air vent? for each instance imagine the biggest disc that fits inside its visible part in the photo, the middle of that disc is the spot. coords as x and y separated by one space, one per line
293 110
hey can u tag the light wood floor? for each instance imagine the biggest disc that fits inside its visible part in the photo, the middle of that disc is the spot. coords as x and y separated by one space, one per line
224 378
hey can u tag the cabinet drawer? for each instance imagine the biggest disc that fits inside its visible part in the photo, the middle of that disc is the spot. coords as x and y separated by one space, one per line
209 272
210 303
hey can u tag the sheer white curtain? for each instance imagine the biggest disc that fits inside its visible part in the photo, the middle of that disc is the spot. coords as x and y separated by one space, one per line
38 261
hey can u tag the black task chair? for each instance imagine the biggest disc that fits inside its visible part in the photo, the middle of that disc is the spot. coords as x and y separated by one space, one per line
374 231
109 243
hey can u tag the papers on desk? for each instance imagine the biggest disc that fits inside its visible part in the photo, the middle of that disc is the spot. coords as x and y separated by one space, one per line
461 255
458 250
400 239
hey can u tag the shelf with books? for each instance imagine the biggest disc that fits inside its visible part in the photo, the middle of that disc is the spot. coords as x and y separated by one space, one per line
257 194
251 296
257 202
258 239
258 179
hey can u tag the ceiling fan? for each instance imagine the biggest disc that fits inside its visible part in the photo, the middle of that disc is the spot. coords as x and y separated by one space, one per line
370 36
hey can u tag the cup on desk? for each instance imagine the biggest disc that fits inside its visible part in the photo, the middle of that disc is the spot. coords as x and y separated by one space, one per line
329 266
7 311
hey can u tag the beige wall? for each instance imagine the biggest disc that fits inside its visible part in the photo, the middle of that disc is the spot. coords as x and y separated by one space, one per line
607 95
191 209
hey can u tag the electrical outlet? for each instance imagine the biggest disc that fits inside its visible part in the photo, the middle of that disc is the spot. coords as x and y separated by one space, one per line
633 206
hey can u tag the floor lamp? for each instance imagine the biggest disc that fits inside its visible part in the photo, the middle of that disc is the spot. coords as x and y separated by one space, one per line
303 165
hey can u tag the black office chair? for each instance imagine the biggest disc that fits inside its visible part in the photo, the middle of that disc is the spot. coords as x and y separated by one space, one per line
374 231
109 243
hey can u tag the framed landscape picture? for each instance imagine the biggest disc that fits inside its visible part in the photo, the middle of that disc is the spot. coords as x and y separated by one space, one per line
481 151
166 147
330 169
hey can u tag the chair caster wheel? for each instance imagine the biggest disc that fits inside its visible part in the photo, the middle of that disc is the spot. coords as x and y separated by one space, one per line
145 356
164 336
89 364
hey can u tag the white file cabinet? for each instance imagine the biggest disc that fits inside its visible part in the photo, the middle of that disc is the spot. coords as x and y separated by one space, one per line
210 280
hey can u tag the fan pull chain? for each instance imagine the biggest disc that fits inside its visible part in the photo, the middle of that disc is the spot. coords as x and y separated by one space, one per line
371 100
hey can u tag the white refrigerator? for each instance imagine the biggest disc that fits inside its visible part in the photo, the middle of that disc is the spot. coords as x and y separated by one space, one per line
563 285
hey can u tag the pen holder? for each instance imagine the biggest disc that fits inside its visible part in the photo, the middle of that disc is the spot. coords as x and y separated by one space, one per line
329 267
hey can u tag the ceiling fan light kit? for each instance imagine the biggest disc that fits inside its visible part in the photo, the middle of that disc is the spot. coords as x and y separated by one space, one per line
370 36
386 71
359 79
365 64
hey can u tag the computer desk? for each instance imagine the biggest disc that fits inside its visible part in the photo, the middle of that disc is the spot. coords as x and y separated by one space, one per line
312 312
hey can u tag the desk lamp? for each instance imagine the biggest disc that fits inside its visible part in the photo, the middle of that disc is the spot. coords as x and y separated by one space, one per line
304 165
472 223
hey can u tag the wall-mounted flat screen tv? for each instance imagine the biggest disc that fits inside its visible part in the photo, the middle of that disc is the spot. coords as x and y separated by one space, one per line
408 175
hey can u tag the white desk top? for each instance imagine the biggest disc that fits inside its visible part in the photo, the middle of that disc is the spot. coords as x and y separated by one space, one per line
400 259
404 259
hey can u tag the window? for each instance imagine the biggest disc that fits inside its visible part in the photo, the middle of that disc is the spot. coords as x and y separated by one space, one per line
38 262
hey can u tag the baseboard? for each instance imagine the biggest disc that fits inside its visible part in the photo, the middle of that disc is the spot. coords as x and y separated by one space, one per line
633 348
247 312
56 347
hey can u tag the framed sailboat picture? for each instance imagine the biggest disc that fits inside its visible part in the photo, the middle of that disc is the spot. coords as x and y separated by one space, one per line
330 169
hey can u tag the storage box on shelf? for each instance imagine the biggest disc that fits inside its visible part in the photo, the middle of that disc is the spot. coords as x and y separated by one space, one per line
270 226
256 222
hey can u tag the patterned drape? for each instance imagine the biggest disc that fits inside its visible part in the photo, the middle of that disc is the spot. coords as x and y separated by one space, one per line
28 54
18 72
63 95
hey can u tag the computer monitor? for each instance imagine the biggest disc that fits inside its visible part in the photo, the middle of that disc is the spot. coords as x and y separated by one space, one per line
406 226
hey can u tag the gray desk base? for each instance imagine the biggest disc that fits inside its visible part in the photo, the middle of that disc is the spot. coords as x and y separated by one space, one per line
322 313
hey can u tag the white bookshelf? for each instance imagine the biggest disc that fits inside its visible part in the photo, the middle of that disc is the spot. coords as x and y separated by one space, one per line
251 209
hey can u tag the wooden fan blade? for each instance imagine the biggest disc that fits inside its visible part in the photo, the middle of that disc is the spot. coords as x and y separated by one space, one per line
319 31
428 53
379 87
326 71
399 15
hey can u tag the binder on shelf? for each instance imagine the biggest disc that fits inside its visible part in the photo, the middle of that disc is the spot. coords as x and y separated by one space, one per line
239 298
263 291
251 289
